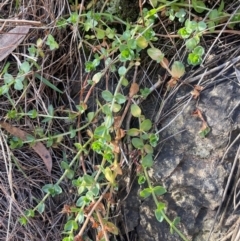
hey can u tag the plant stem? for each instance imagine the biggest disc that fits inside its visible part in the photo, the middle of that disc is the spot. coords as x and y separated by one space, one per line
162 212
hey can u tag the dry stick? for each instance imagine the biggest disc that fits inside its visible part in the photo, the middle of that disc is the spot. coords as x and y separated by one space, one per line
102 225
79 235
18 21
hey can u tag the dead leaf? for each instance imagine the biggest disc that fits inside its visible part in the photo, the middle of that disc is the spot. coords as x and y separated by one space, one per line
115 167
12 39
198 113
205 128
172 82
117 120
111 228
120 133
196 91
133 89
116 148
38 147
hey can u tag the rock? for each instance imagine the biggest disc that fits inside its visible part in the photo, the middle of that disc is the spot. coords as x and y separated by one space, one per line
190 166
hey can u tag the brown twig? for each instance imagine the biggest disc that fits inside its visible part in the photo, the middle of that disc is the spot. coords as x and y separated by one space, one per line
79 235
20 21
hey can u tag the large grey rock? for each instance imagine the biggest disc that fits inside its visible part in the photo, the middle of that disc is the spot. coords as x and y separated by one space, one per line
190 166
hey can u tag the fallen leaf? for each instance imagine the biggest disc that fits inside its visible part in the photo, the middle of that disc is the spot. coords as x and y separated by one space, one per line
117 120
172 82
110 227
12 39
133 89
196 91
205 128
115 167
120 133
198 113
115 145
38 147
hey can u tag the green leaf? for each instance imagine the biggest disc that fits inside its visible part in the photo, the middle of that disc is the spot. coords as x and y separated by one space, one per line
30 213
41 207
153 138
51 42
96 77
142 43
154 3
116 107
146 125
147 161
148 148
122 70
80 216
53 190
203 133
135 110
155 54
108 121
199 6
70 238
73 18
141 179
71 225
175 222
82 201
199 50
159 215
133 132
64 165
23 221
100 33
8 78
46 82
190 26
137 143
213 15
159 190
18 85
183 33
120 99
202 26
100 131
211 26
177 69
25 67
146 192
107 95
194 59
88 180
125 82
32 114
191 43
221 7
4 89
90 116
